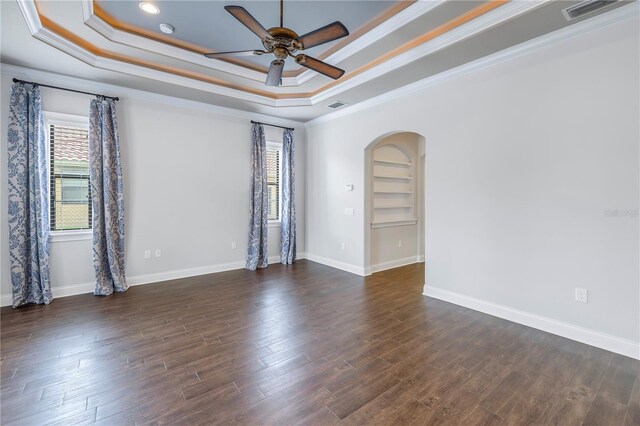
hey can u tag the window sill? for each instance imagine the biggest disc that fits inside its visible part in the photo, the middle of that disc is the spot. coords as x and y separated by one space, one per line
64 236
274 224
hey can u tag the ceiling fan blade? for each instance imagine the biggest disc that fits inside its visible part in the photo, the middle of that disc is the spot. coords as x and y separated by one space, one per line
319 66
241 14
274 77
322 35
234 53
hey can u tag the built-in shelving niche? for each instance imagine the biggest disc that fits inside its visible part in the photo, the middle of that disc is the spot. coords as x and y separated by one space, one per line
393 187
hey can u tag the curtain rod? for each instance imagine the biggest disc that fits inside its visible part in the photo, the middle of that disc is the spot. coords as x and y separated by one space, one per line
272 125
15 80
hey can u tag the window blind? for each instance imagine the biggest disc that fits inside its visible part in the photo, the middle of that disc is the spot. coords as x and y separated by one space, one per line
273 183
69 178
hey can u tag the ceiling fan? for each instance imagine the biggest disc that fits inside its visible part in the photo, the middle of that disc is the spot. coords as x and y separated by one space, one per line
283 42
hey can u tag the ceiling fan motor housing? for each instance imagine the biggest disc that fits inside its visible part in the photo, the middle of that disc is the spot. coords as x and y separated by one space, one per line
284 38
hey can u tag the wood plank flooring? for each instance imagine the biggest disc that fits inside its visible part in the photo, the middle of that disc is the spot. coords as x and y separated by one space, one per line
304 344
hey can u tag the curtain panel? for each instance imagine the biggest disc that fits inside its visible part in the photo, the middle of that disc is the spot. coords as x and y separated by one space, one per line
259 204
28 190
288 214
107 198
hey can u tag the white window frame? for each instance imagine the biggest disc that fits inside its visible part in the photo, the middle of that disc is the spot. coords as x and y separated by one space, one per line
277 146
60 119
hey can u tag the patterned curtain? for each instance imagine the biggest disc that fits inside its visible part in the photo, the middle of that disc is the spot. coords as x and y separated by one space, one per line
28 184
288 217
257 254
107 198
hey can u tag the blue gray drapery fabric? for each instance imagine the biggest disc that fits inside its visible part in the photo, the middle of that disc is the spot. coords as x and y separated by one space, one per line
288 214
28 184
259 205
107 198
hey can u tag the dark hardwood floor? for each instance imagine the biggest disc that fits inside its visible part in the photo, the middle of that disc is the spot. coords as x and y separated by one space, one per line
305 344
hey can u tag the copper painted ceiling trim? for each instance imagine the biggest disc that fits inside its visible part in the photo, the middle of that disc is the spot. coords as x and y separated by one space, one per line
429 35
73 38
474 13
123 26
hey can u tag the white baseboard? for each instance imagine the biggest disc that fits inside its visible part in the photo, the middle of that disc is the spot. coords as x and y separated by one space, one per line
6 300
358 270
64 291
72 290
584 335
383 266
185 273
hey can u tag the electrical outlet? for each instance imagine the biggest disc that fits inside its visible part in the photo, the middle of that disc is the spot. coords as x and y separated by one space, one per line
399 243
348 211
147 254
343 245
234 245
582 295
158 252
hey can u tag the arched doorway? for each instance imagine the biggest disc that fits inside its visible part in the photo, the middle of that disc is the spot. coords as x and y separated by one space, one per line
394 201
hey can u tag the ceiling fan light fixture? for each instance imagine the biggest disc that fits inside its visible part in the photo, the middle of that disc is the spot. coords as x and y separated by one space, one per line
149 7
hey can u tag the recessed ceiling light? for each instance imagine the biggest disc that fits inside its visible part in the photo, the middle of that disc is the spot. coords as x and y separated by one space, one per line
149 7
166 28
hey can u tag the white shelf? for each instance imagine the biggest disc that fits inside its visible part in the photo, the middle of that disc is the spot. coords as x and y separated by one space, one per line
392 192
393 187
393 177
387 224
395 163
393 207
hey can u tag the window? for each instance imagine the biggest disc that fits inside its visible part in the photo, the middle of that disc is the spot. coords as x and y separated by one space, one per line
274 156
69 172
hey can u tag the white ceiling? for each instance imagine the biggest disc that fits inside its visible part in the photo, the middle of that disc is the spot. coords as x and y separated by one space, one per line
429 37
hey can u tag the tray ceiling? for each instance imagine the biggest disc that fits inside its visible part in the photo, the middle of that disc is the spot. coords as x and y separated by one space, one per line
207 27
392 44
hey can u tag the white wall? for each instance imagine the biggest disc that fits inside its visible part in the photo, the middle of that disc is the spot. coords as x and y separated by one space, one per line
523 159
186 173
385 252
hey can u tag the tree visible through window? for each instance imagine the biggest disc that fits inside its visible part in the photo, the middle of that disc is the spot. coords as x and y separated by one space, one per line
69 168
274 153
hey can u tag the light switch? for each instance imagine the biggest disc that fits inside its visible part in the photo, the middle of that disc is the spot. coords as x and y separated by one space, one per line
348 211
350 187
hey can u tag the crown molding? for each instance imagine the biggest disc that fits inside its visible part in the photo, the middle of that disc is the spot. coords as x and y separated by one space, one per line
133 40
404 17
304 99
115 35
613 17
77 83
30 13
47 36
460 32
482 23
42 33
